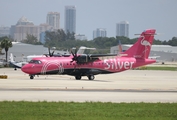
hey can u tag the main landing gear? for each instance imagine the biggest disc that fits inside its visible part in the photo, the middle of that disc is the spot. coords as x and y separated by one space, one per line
90 77
78 77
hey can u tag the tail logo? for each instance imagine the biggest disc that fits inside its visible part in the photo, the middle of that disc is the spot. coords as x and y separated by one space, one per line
145 42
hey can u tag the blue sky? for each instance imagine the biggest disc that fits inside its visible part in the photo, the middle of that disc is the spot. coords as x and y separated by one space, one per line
91 14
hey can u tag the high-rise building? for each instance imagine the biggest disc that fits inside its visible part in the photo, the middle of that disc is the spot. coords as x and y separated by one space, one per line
99 32
4 31
80 37
53 19
122 29
42 29
70 19
22 28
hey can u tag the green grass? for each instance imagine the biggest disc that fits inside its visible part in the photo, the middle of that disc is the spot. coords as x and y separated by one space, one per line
87 111
158 68
162 68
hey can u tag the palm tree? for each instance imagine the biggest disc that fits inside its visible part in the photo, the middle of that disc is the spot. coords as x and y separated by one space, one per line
6 44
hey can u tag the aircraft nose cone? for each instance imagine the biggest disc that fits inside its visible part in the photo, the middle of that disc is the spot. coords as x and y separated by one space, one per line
26 68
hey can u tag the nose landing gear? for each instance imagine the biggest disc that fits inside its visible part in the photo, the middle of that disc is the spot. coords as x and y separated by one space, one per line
31 76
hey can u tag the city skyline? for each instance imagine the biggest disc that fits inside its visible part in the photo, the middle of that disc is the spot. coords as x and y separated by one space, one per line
23 27
53 19
158 14
99 32
70 19
122 29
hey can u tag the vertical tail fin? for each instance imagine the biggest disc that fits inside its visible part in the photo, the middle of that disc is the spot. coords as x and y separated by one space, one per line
11 58
120 47
142 47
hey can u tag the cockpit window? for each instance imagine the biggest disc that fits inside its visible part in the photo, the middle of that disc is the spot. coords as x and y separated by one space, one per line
35 61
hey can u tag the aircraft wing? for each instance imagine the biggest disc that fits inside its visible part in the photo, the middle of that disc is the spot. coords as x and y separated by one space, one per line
85 58
101 55
83 48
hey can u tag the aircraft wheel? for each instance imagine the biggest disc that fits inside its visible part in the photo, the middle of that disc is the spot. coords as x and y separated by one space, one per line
78 77
15 68
91 77
31 77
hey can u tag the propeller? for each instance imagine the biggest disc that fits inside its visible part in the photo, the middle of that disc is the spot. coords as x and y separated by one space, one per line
75 56
50 54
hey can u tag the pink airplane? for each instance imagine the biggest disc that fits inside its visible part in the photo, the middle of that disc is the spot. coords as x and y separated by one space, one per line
79 65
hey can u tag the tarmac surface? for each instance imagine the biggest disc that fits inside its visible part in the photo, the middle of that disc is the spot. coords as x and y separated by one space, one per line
128 86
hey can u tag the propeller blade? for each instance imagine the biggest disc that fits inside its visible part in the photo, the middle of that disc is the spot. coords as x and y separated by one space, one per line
72 53
50 54
49 50
76 51
75 57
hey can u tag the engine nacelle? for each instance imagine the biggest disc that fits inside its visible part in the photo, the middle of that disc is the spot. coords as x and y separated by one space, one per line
84 58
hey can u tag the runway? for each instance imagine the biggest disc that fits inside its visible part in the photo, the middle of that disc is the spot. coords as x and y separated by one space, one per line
128 86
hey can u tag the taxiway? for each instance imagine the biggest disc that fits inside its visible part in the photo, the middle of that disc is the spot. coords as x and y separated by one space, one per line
127 86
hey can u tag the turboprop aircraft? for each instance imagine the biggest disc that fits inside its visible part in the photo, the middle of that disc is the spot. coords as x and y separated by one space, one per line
79 65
